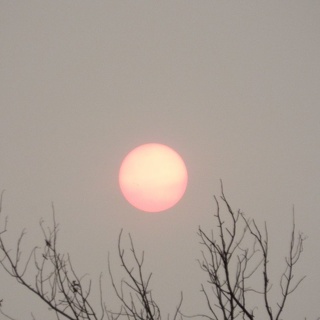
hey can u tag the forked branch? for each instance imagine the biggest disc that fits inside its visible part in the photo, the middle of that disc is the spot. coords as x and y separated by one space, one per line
236 253
55 280
134 293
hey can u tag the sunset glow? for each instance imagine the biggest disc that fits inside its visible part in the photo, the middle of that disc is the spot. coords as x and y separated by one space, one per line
153 177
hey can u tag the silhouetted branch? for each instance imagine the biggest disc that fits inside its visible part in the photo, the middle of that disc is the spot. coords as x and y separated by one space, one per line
232 258
55 280
134 294
5 315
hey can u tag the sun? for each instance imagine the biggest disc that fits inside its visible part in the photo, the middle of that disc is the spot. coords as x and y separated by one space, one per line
153 177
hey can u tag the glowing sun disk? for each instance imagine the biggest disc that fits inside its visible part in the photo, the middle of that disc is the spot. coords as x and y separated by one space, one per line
153 177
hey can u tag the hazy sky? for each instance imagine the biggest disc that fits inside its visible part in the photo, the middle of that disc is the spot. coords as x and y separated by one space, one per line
233 86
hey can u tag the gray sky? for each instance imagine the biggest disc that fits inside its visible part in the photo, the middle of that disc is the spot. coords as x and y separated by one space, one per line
232 86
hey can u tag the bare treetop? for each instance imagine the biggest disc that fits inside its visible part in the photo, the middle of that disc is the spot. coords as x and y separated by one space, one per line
234 257
236 253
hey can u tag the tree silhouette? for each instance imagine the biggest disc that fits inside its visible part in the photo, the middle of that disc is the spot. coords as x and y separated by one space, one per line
55 281
133 291
235 259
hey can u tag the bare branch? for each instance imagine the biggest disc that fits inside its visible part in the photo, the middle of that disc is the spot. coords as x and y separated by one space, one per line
226 252
134 294
233 255
55 280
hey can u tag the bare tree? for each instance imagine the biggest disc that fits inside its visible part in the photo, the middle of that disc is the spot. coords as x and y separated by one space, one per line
133 292
235 259
57 284
55 280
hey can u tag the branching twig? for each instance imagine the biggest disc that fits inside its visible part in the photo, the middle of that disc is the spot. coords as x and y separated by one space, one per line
55 280
134 294
225 253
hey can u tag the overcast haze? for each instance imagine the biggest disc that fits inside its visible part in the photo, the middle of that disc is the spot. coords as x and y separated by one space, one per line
233 87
